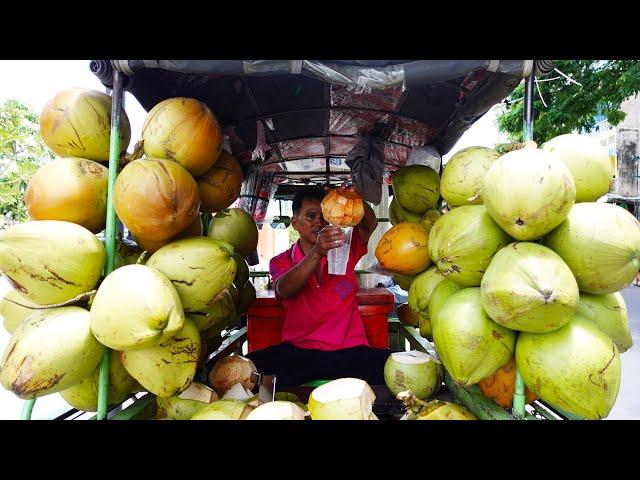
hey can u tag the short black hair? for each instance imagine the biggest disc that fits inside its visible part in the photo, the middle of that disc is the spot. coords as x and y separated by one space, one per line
307 193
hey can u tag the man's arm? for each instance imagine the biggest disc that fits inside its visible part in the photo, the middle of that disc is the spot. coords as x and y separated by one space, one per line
368 223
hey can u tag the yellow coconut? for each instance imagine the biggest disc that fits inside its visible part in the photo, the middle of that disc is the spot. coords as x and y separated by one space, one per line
187 404
220 186
404 249
12 310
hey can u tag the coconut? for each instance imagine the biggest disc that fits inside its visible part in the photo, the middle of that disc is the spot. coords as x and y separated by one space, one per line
463 242
231 370
403 280
500 387
422 288
84 395
277 410
238 392
429 219
528 192
441 410
12 310
136 307
471 346
246 297
200 269
445 289
220 310
609 313
342 399
413 370
398 214
224 410
187 404
600 243
152 246
463 175
26 260
51 350
343 207
529 288
403 249
242 270
237 227
588 162
69 189
168 368
184 130
220 186
416 188
576 368
77 123
408 316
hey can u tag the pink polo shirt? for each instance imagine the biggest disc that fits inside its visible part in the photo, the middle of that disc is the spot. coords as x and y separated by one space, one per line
323 315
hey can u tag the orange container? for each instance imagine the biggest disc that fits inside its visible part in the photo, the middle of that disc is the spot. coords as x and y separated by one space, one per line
266 317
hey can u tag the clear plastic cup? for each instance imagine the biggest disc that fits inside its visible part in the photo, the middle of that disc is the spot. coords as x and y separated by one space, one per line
337 258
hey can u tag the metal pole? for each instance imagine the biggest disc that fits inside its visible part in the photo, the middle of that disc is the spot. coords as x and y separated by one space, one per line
27 408
110 232
519 400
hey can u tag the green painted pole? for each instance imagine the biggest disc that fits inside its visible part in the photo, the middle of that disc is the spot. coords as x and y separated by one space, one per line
519 400
27 408
110 232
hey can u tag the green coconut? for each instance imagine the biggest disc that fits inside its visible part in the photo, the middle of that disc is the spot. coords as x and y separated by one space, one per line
246 297
588 162
27 261
471 346
224 410
136 307
528 192
242 270
187 404
403 280
84 395
422 288
529 288
237 227
12 311
425 327
609 313
50 351
576 368
416 188
168 368
463 242
216 313
429 219
398 214
463 175
445 289
413 370
600 242
200 269
417 409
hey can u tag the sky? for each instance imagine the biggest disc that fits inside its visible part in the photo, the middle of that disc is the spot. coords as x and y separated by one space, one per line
34 82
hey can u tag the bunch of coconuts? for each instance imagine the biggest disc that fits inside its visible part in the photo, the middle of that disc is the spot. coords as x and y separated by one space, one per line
156 316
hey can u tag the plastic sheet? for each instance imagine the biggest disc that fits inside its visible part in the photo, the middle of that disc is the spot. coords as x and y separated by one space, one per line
383 99
302 147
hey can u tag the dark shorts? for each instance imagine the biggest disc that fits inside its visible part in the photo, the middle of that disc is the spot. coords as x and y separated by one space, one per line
294 366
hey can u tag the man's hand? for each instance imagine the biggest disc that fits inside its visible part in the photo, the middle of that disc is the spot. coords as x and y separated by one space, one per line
329 237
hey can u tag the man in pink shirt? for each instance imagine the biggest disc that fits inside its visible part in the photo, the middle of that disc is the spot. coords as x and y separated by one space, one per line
323 333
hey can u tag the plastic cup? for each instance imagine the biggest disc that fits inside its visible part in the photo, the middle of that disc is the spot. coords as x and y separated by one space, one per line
337 258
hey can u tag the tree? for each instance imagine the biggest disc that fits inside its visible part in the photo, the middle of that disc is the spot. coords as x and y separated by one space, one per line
22 151
570 107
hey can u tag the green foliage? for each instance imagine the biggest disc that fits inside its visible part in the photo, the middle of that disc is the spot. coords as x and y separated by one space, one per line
22 151
605 84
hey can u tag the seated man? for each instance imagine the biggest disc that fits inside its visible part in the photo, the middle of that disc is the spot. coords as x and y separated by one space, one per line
323 334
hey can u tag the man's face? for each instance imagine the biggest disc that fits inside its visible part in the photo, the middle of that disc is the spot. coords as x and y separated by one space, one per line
309 220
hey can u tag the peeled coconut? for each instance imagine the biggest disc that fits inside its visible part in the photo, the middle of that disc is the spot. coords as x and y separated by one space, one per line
220 186
413 370
69 189
398 214
470 345
342 399
51 350
77 123
12 311
237 227
277 410
600 242
403 280
609 313
216 313
343 207
84 395
184 130
187 404
576 368
416 188
588 162
422 288
200 269
238 392
224 410
136 307
231 370
168 368
529 288
26 260
463 242
463 175
445 289
404 249
500 387
528 192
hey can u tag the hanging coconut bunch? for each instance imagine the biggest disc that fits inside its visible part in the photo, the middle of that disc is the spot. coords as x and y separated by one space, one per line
609 313
220 186
152 246
404 249
236 227
420 297
14 308
416 188
463 175
343 207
